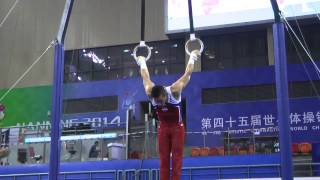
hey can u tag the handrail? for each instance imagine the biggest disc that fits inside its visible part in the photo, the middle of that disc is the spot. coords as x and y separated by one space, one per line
152 169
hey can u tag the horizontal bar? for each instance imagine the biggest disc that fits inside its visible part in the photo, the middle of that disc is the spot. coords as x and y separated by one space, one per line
61 173
71 138
296 178
236 166
131 170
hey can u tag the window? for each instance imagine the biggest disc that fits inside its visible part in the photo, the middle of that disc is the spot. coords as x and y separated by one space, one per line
265 91
311 37
304 89
257 92
116 62
85 105
238 50
315 88
238 94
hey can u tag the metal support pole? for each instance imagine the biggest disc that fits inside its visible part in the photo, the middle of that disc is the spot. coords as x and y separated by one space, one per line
65 21
282 93
127 133
146 149
54 164
282 101
56 113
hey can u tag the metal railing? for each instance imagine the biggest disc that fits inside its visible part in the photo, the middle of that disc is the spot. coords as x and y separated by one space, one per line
190 173
37 145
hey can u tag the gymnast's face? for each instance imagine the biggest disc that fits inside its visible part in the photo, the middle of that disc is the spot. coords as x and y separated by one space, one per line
159 95
161 100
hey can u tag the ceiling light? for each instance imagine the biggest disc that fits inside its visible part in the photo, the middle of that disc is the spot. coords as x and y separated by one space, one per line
211 57
94 57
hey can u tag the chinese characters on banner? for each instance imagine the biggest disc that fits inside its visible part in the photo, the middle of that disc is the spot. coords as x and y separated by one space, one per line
264 123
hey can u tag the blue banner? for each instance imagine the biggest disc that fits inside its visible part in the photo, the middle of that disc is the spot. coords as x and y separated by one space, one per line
254 118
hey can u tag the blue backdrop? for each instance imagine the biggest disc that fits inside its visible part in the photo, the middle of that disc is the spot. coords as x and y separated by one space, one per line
238 118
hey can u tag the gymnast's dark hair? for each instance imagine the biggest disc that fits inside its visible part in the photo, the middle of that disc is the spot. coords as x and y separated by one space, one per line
157 90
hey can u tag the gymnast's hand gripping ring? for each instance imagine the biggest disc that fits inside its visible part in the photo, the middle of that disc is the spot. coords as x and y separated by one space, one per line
141 45
193 38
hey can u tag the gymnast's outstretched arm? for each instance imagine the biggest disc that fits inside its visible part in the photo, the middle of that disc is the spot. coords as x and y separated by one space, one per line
177 87
144 72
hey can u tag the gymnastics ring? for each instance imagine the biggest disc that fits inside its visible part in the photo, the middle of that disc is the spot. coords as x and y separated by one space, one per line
141 45
193 38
